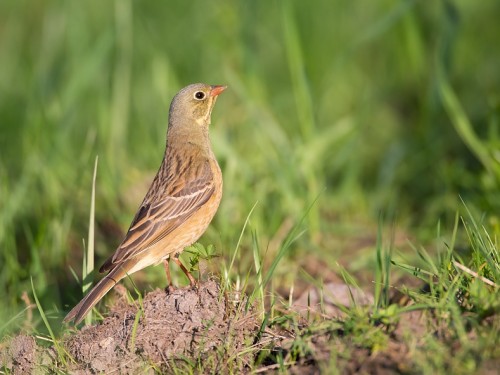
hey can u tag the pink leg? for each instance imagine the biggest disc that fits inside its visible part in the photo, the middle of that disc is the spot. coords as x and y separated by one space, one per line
166 264
192 280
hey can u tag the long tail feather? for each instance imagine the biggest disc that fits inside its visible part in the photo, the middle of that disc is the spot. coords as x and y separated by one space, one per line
90 300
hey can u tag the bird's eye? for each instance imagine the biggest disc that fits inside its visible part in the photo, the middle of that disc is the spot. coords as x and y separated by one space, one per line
199 95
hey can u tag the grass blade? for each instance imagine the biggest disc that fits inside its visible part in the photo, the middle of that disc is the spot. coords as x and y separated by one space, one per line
88 258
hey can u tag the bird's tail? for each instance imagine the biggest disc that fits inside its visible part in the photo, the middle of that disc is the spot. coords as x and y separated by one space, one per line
90 300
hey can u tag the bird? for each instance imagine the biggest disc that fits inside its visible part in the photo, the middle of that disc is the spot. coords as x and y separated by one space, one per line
180 203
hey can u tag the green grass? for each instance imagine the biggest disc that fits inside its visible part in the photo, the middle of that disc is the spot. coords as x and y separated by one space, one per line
381 109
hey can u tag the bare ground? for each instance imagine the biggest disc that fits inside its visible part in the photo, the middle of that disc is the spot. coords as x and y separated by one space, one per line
208 331
165 332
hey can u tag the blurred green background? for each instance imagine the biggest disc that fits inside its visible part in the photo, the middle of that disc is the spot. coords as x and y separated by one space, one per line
387 107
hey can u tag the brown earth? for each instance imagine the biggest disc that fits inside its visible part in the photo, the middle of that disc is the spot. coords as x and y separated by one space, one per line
209 331
165 332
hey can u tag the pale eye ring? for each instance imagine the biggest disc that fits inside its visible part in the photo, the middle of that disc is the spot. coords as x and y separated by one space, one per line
199 95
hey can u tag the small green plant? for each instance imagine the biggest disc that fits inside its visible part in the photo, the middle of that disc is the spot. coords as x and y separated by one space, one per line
199 252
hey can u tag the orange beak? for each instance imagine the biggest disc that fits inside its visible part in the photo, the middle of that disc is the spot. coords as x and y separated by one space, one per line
216 90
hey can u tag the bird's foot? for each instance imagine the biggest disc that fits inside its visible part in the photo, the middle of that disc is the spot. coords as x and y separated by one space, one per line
170 289
194 285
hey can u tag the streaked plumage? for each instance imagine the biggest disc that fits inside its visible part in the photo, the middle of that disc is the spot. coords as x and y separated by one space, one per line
181 202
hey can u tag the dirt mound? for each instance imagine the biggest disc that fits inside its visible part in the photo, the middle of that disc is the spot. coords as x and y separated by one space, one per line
21 355
166 331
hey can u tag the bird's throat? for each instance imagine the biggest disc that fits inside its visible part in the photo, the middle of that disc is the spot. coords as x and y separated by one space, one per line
194 137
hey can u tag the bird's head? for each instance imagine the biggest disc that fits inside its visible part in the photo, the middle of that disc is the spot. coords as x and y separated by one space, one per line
194 102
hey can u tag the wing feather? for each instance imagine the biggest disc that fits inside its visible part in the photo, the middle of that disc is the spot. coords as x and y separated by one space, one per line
159 216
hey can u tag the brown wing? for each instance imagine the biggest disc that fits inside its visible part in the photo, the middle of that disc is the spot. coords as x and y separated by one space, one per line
160 216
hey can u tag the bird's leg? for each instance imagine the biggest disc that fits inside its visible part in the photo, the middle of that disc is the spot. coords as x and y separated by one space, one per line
166 264
192 280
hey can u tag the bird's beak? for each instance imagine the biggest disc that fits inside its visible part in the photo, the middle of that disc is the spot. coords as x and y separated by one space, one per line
216 90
